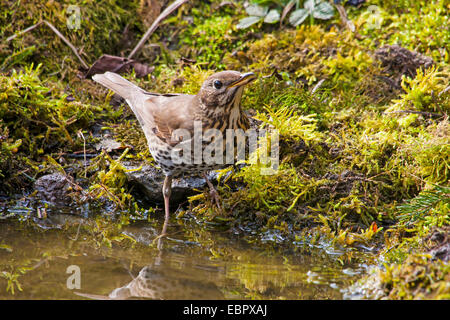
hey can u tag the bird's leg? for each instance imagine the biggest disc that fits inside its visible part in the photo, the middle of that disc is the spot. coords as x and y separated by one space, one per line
167 190
212 191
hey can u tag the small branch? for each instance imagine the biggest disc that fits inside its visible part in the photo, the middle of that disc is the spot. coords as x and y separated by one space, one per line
349 23
155 25
317 86
444 91
68 43
24 31
59 34
286 10
429 114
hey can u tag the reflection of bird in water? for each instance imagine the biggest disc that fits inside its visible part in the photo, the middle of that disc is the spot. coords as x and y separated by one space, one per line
164 283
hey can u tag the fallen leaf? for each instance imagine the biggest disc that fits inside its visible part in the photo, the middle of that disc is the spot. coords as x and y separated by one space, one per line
119 65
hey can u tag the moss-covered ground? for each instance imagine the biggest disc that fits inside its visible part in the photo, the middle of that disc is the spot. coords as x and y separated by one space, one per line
364 129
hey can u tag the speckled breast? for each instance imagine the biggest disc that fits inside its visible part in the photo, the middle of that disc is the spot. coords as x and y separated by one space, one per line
174 162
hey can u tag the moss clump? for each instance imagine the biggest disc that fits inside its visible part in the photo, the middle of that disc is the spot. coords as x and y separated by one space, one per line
38 118
109 183
417 278
213 37
425 92
416 252
101 31
8 148
416 25
38 114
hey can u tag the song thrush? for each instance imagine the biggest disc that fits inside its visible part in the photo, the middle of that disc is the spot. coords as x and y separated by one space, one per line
217 105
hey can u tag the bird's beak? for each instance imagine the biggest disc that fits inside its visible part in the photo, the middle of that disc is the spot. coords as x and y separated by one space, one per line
244 79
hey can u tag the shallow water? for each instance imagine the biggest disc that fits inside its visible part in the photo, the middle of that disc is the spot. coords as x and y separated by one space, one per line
194 263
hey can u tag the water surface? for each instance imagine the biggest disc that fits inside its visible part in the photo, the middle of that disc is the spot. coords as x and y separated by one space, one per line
194 263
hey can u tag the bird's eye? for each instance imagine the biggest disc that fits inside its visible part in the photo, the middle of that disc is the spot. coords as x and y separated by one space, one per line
217 84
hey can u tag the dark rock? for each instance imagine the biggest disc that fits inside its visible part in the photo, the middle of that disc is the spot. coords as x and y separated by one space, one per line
54 188
150 180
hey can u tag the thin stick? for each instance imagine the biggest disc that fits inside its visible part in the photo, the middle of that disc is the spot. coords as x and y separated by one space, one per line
155 25
317 86
59 34
444 91
68 43
22 32
81 135
343 14
429 114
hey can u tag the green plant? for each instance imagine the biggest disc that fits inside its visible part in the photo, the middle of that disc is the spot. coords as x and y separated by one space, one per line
291 124
424 92
314 8
257 13
213 36
39 114
260 11
419 207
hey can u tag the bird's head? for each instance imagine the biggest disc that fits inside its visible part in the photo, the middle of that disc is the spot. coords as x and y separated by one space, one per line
221 89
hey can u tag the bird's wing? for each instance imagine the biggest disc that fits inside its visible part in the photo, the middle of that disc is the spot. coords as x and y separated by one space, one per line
158 114
170 113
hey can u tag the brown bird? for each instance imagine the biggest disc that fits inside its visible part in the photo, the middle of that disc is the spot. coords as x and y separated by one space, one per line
217 105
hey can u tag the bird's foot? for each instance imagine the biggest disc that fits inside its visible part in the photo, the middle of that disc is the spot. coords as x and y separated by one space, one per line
215 196
213 193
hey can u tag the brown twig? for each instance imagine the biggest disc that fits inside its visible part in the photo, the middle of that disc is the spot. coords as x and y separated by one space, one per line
147 34
24 31
286 10
429 114
348 23
155 25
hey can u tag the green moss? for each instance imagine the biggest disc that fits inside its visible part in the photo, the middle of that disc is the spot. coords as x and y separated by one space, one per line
36 115
101 26
415 25
424 93
291 125
418 277
8 148
108 185
37 118
212 37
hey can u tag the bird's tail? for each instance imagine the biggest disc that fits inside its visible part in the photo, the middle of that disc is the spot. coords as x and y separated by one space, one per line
118 84
134 96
